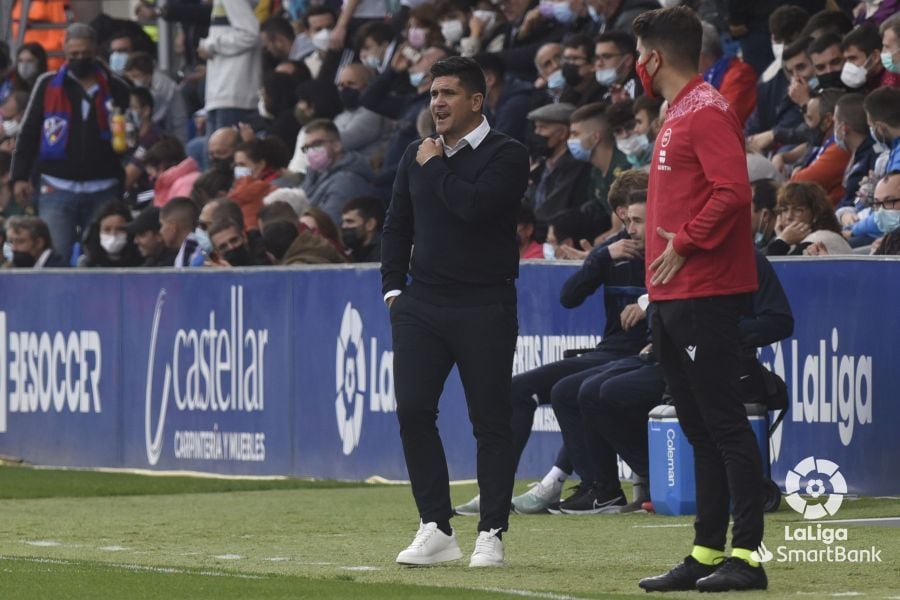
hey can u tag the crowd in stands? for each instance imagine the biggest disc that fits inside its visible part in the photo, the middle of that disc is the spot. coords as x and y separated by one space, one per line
275 137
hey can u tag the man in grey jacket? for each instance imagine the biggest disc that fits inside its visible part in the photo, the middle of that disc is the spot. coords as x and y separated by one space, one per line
333 177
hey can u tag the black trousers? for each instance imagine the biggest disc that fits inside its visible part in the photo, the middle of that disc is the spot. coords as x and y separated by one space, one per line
480 340
538 387
698 345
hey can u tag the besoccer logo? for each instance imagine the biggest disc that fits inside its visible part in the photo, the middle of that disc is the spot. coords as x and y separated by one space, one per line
350 378
821 480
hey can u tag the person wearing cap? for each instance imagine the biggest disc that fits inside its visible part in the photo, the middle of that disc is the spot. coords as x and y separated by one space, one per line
145 232
561 181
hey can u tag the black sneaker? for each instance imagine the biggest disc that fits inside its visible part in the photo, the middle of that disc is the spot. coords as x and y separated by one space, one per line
577 490
682 577
595 501
734 574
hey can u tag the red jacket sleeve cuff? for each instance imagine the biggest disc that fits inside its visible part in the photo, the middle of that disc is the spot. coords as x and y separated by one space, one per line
683 244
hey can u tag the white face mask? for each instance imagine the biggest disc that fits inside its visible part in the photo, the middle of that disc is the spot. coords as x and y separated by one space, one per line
634 145
240 172
778 50
372 61
113 242
322 39
11 128
452 31
853 76
549 251
27 70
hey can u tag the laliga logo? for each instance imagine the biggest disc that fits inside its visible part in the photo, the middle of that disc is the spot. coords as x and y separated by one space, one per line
816 487
350 379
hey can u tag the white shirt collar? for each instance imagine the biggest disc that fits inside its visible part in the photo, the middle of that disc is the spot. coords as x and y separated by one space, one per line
43 258
473 138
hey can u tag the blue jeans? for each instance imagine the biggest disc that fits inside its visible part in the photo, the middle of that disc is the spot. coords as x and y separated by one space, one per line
69 214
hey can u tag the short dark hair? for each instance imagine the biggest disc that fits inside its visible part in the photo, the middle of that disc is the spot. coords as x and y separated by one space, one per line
866 38
823 43
326 125
277 212
648 104
828 99
623 40
491 63
36 228
676 32
227 209
764 194
883 105
167 151
316 11
278 237
830 21
470 75
580 40
379 31
624 184
595 112
572 224
620 114
796 48
140 61
144 97
278 26
786 23
368 207
211 184
637 197
181 209
853 113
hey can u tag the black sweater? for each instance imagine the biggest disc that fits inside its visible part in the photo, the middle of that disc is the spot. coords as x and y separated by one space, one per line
88 157
460 214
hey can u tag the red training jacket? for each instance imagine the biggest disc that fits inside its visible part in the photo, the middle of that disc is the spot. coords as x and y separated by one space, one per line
699 189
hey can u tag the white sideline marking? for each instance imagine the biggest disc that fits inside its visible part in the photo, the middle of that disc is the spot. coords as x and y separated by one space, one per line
42 543
278 559
362 568
662 526
113 548
228 556
530 594
868 520
848 594
132 567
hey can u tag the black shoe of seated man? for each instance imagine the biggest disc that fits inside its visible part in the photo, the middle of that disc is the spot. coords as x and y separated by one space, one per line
682 577
577 490
596 501
733 575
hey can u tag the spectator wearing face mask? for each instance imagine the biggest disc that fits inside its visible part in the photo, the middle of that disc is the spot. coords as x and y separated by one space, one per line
316 99
883 116
280 42
884 216
172 172
31 63
30 244
138 187
851 132
826 161
12 111
560 181
233 63
636 147
231 245
221 148
67 140
762 211
863 70
257 165
578 71
377 45
508 99
169 110
361 223
108 243
333 176
319 22
890 40
550 81
614 56
361 129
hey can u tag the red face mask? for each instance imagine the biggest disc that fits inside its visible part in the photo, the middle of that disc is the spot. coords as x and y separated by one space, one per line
645 77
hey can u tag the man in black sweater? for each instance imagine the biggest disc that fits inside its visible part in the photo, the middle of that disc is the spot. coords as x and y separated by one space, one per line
455 199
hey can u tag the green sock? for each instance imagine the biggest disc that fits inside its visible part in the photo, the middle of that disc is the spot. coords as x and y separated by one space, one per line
744 555
707 556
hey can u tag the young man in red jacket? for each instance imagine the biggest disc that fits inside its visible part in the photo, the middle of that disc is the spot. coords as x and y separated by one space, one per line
700 273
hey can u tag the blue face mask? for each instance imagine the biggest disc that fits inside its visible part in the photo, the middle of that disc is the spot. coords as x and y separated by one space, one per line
887 59
556 80
578 151
813 83
549 251
416 79
880 145
887 220
562 12
606 77
203 240
117 61
8 252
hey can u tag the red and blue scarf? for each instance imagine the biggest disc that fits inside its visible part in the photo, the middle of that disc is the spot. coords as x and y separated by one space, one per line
58 114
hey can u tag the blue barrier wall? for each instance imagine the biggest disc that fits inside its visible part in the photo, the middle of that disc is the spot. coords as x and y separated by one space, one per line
283 371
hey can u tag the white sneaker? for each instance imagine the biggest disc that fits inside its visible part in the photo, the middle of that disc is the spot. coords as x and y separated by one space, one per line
430 546
488 550
472 508
537 499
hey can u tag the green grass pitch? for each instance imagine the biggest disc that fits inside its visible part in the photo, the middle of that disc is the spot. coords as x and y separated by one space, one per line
74 534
